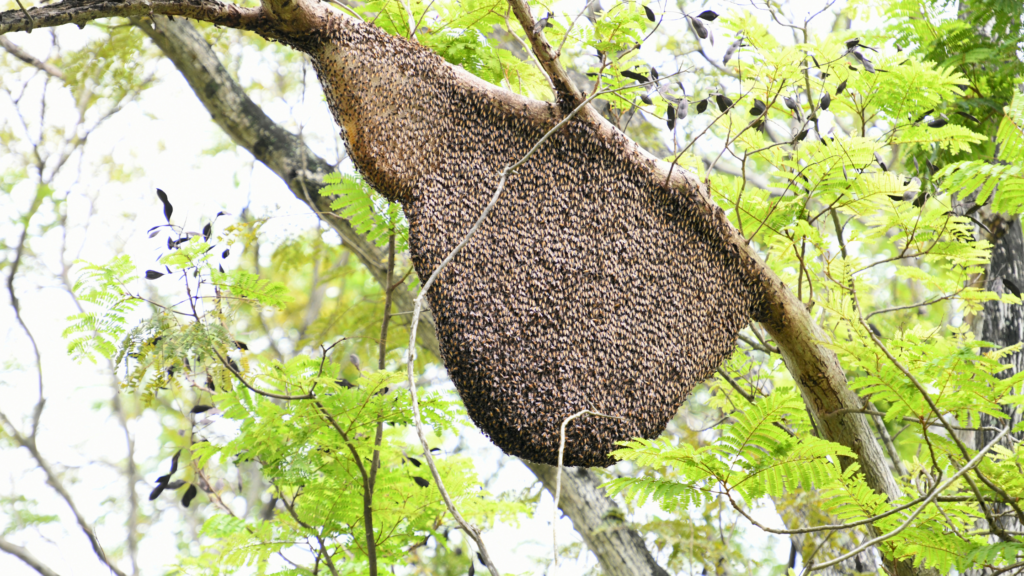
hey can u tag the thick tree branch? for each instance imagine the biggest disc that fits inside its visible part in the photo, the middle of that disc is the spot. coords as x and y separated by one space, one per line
283 152
81 12
599 520
565 88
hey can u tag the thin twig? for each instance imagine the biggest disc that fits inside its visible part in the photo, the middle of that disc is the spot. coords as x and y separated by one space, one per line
418 308
935 492
558 474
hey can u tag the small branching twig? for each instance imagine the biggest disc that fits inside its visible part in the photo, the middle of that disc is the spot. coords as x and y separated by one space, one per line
928 500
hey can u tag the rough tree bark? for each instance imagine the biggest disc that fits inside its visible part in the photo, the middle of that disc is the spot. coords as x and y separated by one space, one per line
247 125
815 369
1003 325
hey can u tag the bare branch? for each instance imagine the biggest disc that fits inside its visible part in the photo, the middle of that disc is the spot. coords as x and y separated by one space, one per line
25 556
27 58
54 481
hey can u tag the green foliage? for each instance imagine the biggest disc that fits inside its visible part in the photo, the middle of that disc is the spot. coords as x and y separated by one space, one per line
367 211
1000 182
307 451
105 288
754 456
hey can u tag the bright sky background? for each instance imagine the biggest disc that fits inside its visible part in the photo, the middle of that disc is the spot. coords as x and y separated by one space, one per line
164 135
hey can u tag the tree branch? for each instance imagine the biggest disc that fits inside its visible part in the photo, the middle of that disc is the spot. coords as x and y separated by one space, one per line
565 88
29 59
282 152
54 481
81 12
25 556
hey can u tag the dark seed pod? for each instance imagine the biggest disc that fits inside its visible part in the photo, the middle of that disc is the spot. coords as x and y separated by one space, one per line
878 158
421 482
708 15
190 493
1011 286
646 98
970 117
634 76
153 274
671 113
542 24
168 209
699 28
723 101
868 66
825 101
702 106
758 109
732 50
650 14
841 88
939 122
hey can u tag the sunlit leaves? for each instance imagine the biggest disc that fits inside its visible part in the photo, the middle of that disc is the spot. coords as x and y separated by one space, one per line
98 331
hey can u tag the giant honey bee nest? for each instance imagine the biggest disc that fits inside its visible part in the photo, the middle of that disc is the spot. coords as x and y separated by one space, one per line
591 285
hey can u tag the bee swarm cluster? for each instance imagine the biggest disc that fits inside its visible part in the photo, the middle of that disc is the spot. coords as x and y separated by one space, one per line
591 285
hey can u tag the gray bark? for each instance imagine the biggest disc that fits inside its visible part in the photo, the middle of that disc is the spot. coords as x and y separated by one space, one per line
1003 325
599 520
622 551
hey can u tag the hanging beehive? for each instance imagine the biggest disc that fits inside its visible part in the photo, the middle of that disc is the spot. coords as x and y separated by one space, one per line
591 285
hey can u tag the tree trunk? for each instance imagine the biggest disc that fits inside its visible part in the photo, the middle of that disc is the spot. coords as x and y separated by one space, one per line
1002 325
599 520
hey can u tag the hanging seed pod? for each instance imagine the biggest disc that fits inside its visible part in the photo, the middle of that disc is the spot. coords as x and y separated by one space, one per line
939 122
868 66
758 109
634 76
841 87
702 106
698 27
650 14
825 101
723 101
732 50
670 112
878 158
682 109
